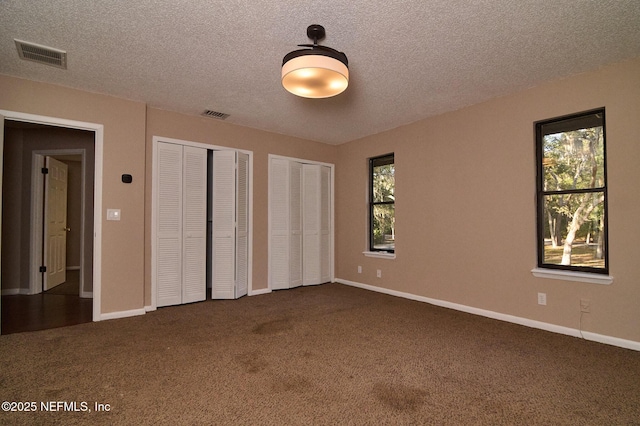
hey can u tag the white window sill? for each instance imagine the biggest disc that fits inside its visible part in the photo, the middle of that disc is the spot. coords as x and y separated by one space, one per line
379 254
584 277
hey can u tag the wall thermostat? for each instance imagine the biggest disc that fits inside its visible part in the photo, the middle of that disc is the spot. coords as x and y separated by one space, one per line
127 178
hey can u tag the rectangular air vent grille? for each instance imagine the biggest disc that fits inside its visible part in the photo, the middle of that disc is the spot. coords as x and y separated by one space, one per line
215 114
41 54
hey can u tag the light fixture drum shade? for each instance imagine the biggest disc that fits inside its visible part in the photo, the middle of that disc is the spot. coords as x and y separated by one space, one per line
312 75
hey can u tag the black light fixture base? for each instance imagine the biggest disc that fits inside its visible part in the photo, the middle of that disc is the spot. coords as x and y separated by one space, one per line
315 32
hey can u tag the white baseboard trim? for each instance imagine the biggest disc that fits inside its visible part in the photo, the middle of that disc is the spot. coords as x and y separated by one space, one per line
149 308
122 314
600 338
259 292
613 341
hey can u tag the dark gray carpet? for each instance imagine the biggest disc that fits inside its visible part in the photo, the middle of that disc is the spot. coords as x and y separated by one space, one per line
328 354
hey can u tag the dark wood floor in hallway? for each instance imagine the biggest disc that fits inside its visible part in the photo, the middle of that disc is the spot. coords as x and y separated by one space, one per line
59 307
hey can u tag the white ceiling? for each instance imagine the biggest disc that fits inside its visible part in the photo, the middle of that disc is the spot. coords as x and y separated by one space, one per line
408 60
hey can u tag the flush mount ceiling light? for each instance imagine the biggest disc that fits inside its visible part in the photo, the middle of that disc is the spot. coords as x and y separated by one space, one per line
319 72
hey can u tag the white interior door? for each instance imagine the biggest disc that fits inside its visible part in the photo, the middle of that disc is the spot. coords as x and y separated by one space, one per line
223 228
194 229
295 213
169 225
242 225
325 224
230 228
311 224
181 224
300 211
279 256
55 223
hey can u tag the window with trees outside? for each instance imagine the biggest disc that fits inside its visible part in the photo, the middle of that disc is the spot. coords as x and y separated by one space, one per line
572 193
382 216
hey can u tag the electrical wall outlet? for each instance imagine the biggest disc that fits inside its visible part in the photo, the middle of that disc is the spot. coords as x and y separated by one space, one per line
379 273
359 269
542 298
585 305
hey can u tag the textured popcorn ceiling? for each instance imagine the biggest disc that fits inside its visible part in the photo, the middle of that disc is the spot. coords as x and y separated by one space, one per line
408 59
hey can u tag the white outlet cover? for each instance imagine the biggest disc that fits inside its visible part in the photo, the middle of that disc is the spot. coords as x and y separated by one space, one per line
113 214
542 298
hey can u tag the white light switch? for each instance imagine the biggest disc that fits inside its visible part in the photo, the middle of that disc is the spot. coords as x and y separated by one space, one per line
113 214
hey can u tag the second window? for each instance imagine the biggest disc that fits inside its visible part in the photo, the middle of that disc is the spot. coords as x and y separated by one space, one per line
382 211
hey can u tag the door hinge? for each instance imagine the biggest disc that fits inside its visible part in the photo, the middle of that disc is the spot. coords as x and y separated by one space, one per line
45 170
43 269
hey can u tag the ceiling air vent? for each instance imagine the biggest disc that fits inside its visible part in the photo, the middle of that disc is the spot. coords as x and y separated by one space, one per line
215 114
42 54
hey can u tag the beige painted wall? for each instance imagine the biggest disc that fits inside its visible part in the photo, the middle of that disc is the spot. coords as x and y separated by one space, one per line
465 207
220 133
122 247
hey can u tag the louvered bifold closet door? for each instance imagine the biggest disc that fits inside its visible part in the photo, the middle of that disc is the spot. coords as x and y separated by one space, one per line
325 224
311 224
194 236
295 214
169 225
242 224
224 213
279 224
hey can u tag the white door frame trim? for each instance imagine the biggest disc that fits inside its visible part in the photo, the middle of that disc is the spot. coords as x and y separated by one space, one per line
98 130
